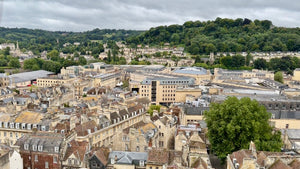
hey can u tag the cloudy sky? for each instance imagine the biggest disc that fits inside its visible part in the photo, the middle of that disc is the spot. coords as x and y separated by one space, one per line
82 15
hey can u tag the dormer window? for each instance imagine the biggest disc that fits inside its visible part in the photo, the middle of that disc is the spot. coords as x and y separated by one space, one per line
56 149
26 146
40 148
17 125
43 128
28 126
11 125
62 131
142 163
34 147
95 129
5 124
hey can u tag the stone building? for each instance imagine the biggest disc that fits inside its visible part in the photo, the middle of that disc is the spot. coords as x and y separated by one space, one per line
252 159
75 155
10 158
166 129
135 138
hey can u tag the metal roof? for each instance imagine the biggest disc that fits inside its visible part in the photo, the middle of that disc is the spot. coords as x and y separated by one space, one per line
26 76
192 70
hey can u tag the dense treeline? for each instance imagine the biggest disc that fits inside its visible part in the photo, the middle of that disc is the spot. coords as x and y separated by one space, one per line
40 40
55 63
287 64
223 35
7 61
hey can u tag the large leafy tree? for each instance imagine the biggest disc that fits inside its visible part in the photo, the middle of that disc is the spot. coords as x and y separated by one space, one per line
278 77
235 122
260 63
14 62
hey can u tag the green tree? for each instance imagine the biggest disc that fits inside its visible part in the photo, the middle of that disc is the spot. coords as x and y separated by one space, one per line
109 59
260 63
235 122
278 77
210 48
6 51
51 66
14 63
29 63
249 57
82 60
238 61
53 55
76 55
3 62
226 61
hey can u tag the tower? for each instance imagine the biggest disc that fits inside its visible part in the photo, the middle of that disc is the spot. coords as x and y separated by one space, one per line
211 58
17 45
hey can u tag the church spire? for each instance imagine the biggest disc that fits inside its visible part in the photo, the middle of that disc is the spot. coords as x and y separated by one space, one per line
17 45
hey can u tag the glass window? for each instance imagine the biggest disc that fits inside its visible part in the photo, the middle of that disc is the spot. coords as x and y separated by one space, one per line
54 159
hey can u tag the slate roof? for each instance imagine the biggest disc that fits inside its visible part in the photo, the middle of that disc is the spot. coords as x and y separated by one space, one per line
114 116
48 140
293 134
195 110
124 113
128 157
154 118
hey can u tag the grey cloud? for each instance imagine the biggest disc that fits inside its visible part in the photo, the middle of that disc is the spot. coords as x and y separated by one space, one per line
81 15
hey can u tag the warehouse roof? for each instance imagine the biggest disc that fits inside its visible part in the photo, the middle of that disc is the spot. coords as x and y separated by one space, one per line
26 76
192 70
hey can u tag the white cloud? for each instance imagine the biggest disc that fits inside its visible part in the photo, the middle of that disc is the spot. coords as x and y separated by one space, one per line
81 15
